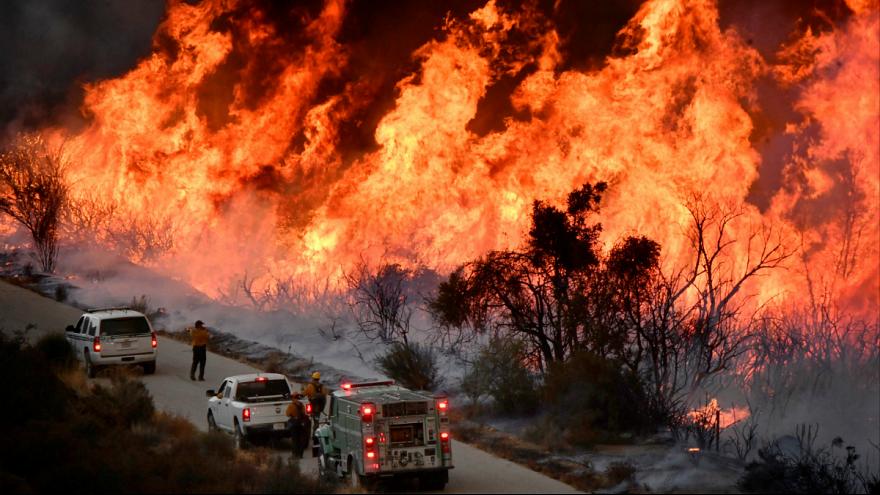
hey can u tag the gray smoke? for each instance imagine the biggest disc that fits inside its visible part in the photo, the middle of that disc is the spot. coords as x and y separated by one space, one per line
49 48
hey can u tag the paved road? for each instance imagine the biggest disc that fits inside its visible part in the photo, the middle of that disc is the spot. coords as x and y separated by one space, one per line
475 472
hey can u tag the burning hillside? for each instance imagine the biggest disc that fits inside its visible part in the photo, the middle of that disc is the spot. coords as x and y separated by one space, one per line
274 142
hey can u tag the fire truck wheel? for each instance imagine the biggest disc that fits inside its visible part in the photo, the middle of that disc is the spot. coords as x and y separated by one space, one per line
324 471
355 480
433 481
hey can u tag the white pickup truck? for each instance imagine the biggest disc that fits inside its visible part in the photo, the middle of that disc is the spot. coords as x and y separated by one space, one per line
250 406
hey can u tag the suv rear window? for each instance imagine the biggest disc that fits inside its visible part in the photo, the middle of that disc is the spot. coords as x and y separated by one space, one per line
125 326
248 391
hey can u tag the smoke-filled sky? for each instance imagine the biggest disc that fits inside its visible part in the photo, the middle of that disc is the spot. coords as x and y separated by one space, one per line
291 139
51 47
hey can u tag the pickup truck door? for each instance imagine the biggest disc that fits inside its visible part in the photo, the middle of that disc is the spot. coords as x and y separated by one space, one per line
214 405
225 408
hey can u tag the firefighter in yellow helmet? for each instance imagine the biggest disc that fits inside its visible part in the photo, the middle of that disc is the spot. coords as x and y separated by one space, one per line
317 395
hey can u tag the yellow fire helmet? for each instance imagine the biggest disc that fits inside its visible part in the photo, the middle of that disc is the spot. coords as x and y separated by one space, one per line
316 375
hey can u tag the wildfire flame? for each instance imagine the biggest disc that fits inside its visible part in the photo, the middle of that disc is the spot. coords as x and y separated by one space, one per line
228 132
726 417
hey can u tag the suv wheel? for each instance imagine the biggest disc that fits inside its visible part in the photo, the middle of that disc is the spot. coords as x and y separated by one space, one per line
149 367
91 369
212 425
238 439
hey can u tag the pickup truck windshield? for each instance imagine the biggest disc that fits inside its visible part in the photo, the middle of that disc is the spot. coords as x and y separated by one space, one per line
261 390
125 326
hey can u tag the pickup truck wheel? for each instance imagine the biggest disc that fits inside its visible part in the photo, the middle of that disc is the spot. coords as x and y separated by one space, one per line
238 439
91 369
149 367
212 425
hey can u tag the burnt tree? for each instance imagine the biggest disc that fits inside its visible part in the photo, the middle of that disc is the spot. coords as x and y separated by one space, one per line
380 302
534 293
34 193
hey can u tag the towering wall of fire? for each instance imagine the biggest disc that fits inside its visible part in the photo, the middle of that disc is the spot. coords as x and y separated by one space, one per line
238 127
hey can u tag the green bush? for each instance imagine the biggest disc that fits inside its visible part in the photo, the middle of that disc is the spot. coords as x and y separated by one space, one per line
500 372
594 399
413 366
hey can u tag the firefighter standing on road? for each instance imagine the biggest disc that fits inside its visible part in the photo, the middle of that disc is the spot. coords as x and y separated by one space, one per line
200 338
317 396
298 424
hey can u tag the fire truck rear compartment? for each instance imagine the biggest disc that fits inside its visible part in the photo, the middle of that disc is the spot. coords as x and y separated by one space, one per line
406 435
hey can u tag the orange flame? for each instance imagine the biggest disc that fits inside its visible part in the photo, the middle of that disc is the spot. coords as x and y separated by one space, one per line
726 417
668 117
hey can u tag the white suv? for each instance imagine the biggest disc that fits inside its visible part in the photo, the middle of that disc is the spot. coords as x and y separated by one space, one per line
110 336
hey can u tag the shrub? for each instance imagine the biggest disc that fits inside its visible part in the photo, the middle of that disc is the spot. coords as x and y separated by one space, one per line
500 372
57 351
126 402
60 292
618 472
803 469
110 440
591 397
31 384
413 366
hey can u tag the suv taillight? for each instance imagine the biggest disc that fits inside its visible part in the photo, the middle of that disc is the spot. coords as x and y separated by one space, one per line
96 346
154 342
246 414
367 411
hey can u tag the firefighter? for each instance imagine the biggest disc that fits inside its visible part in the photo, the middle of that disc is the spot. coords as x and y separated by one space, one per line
317 396
200 337
298 424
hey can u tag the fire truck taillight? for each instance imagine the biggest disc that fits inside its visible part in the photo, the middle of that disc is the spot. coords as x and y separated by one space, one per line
308 409
443 405
444 442
367 411
370 452
246 414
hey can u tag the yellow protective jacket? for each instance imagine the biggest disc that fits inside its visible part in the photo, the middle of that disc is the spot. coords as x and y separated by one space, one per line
199 336
295 410
314 389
